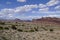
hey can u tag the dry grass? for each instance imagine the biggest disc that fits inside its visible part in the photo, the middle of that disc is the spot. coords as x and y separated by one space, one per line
30 31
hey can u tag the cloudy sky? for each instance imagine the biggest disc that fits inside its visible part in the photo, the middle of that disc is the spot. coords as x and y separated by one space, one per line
29 9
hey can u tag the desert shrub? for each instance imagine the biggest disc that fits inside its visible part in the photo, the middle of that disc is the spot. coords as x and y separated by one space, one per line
26 31
16 22
1 28
22 25
2 23
24 38
51 30
36 29
31 30
20 30
43 39
13 27
6 28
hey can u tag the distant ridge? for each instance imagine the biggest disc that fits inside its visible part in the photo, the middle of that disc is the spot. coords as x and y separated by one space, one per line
43 19
15 20
47 19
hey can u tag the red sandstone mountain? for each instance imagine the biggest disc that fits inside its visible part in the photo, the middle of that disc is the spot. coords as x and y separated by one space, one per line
47 20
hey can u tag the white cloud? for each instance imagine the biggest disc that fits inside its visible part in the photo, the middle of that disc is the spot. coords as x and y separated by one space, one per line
42 6
7 12
47 12
20 9
36 17
44 9
28 17
1 16
33 17
57 7
52 2
21 0
10 15
25 8
52 16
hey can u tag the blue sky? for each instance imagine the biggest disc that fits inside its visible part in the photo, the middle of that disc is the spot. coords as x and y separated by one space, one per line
29 9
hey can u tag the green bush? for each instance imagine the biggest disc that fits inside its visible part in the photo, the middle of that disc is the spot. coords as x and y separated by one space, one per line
2 23
13 27
31 30
51 30
26 31
20 30
36 29
1 28
6 28
23 25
